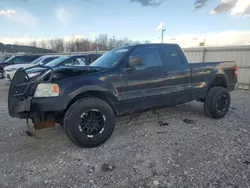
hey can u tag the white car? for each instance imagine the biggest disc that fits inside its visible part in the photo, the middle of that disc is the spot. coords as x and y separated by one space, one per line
10 70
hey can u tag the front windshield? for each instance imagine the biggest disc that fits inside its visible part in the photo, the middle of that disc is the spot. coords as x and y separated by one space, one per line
9 59
37 60
56 61
111 58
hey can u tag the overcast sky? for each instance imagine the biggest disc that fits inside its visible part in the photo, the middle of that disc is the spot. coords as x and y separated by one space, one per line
187 22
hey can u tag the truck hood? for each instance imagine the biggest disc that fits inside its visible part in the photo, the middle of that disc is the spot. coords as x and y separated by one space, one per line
78 68
64 71
18 66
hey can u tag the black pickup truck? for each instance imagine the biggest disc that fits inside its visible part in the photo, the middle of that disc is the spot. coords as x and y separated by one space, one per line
86 100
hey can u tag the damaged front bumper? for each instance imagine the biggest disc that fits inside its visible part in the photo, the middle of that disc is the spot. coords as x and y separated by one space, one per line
37 107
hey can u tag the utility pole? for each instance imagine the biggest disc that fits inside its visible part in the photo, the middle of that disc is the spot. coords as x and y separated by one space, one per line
162 34
113 43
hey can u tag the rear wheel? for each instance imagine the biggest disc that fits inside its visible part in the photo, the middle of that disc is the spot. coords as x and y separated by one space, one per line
89 122
217 102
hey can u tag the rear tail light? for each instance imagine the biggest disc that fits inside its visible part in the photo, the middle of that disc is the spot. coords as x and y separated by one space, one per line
236 71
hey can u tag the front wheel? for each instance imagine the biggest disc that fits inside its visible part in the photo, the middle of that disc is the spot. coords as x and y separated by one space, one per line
89 122
217 102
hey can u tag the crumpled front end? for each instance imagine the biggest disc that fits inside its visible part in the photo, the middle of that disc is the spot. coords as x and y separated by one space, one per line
27 100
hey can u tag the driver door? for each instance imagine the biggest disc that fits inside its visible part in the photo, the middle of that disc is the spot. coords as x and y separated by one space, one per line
142 84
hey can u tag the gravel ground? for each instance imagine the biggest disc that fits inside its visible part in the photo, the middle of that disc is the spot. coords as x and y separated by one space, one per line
151 149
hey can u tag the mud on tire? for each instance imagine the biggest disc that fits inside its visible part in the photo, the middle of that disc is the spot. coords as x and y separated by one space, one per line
80 122
217 102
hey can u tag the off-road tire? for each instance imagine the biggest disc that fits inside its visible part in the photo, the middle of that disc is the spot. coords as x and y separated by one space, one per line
73 116
213 96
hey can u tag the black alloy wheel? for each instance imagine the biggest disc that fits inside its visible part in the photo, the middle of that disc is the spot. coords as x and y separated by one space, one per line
89 122
92 123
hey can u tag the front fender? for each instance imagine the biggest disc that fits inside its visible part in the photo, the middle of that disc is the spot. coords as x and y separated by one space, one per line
84 89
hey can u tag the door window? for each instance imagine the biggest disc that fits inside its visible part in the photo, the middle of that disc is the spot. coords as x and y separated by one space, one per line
148 55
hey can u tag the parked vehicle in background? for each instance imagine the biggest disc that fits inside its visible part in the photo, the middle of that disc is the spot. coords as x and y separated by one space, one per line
4 57
17 59
67 60
7 57
10 70
87 99
74 60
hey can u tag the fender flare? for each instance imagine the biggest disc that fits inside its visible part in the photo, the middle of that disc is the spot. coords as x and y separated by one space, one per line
105 94
218 76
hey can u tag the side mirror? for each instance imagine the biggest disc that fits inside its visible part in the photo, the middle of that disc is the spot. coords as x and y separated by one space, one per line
135 61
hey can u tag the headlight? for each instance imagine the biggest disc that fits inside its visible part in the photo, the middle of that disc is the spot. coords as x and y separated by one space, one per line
47 90
30 75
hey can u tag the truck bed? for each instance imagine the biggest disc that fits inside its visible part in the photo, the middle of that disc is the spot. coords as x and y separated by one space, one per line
213 65
203 74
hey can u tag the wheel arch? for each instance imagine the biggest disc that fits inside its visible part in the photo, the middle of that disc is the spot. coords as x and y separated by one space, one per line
98 94
219 80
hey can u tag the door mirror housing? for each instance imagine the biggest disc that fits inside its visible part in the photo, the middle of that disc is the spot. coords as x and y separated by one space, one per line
135 61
